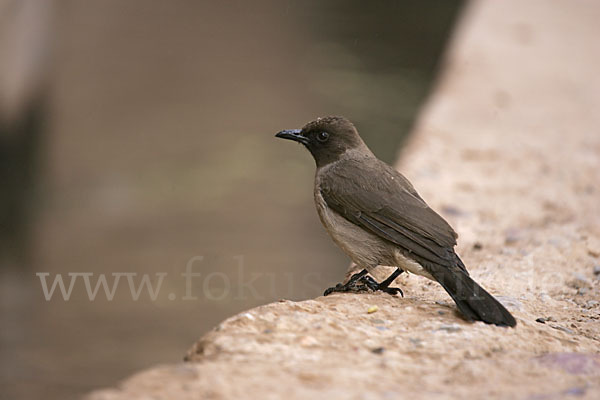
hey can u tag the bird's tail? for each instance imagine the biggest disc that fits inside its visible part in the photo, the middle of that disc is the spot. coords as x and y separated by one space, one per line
471 299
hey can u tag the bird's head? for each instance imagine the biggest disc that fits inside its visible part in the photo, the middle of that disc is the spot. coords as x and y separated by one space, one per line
326 138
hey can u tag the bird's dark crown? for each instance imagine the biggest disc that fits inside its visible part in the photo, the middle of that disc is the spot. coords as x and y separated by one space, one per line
327 138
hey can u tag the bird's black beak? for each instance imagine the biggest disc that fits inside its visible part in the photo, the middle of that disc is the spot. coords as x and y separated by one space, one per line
293 134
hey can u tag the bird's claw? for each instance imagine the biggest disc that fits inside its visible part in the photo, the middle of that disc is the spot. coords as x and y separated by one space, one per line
348 287
392 291
375 286
366 284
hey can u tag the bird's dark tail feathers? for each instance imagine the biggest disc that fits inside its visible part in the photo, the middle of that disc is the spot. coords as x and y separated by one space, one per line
471 299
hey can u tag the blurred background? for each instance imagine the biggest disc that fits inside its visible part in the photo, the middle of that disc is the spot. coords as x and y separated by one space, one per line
137 136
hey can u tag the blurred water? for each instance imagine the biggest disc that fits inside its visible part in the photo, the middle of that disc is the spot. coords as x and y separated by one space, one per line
160 149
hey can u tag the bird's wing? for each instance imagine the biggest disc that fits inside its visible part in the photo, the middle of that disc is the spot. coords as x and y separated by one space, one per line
371 194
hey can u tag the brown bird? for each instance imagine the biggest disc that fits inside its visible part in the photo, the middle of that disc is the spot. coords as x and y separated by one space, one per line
375 215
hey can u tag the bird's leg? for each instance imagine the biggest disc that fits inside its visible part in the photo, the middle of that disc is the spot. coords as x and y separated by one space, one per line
350 286
384 286
367 283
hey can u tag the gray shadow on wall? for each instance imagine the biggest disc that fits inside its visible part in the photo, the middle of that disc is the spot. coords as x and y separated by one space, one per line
160 150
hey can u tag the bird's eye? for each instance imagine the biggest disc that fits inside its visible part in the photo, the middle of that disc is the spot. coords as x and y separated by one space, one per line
322 137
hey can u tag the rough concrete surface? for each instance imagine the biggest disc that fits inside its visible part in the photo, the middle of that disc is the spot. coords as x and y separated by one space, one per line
508 150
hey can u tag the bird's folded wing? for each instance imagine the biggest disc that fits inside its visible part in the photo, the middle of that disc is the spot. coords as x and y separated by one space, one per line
373 195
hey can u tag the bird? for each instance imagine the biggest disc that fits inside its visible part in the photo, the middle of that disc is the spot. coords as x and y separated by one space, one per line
375 215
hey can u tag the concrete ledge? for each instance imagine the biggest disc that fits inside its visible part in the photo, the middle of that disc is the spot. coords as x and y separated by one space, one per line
508 150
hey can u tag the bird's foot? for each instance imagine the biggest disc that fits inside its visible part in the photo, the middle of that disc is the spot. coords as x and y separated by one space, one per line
351 286
375 286
361 282
343 288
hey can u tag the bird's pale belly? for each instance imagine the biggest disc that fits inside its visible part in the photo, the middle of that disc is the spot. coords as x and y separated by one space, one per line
365 249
